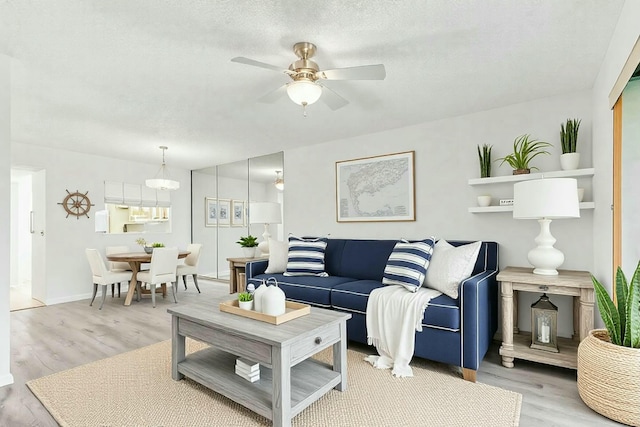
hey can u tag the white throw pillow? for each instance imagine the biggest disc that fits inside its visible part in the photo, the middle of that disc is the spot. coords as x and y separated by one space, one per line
450 265
277 256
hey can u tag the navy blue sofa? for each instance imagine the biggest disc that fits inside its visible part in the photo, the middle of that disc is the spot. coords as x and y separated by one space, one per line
456 332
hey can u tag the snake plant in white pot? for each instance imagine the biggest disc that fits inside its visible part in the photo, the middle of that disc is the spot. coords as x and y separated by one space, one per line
570 158
609 359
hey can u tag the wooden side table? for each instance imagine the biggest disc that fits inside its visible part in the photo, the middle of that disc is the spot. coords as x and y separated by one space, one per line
237 267
515 345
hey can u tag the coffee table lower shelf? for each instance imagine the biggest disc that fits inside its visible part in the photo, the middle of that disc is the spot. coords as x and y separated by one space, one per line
214 369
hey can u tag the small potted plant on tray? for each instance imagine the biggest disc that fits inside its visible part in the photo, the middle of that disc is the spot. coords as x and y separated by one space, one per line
245 300
525 149
249 244
569 159
609 359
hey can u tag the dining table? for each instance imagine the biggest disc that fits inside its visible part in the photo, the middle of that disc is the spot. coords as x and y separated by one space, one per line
135 260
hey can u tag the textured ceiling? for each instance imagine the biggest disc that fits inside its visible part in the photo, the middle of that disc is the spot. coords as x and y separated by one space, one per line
119 78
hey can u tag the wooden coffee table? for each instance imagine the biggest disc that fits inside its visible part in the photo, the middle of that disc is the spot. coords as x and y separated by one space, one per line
289 380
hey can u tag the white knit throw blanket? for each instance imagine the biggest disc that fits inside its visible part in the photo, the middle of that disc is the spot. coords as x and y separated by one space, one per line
393 316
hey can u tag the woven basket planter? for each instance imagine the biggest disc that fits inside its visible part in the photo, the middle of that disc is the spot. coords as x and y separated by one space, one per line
609 378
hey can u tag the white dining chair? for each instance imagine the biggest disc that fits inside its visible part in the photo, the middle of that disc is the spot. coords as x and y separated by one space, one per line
164 262
102 276
117 266
190 265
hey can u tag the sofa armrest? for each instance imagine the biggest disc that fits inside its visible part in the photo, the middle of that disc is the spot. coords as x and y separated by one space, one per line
479 311
254 268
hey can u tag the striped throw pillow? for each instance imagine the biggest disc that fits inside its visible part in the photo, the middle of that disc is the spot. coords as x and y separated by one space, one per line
407 264
306 257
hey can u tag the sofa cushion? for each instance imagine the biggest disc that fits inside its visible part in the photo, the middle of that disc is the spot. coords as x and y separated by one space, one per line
408 263
365 259
313 290
306 257
450 265
442 312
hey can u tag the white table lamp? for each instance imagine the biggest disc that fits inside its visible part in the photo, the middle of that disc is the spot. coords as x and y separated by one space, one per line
265 213
544 200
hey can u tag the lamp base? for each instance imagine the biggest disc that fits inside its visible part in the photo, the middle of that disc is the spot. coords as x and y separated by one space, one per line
264 245
545 258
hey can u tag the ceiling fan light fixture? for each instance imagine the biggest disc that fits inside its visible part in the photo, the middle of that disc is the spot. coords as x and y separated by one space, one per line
160 182
304 92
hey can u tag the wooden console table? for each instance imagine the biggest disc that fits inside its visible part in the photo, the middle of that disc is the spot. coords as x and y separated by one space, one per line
515 345
236 268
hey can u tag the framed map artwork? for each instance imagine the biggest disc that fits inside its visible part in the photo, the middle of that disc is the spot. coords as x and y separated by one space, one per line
224 212
238 217
377 188
210 211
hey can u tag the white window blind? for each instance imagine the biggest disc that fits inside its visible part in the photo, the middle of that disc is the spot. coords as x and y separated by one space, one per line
148 197
164 198
113 192
132 195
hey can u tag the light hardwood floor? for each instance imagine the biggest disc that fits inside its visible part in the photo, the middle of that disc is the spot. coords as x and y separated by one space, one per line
51 339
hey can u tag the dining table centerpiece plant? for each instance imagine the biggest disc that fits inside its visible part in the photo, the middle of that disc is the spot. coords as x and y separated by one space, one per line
141 241
609 359
245 300
149 249
525 149
570 158
484 156
248 244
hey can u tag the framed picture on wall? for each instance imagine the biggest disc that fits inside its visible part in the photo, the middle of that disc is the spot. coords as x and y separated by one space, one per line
210 211
238 217
379 188
224 212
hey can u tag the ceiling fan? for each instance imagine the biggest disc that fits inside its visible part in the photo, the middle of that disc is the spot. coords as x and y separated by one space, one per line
304 89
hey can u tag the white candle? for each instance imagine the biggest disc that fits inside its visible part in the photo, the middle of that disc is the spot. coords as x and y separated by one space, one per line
545 334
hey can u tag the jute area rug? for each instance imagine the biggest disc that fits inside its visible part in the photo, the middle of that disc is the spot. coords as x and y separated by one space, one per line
136 389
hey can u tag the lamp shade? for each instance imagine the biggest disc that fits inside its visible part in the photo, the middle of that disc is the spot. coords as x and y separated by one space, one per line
549 198
162 184
304 92
265 213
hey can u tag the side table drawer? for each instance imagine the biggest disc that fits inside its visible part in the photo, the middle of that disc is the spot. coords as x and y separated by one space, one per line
554 290
309 346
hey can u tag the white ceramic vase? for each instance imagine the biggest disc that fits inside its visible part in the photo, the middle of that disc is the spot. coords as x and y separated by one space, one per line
569 161
273 301
484 201
257 297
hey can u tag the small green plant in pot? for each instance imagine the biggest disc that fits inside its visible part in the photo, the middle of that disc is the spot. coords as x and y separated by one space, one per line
570 158
249 244
609 359
245 300
484 156
525 149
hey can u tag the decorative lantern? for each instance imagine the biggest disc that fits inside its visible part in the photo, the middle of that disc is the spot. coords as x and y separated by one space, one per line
544 325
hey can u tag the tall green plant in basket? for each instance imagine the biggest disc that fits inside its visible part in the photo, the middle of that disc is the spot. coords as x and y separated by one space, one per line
484 156
622 322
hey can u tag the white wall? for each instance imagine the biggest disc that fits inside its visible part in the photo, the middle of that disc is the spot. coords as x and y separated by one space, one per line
624 37
5 216
68 276
630 177
445 159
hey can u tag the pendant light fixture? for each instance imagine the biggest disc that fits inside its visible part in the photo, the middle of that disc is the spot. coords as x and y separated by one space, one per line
279 182
161 181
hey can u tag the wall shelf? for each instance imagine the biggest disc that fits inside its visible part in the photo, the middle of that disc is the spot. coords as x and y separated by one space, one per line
492 209
538 175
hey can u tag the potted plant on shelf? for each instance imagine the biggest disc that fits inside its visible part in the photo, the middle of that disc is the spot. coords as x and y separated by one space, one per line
609 359
245 300
249 244
569 159
525 149
484 156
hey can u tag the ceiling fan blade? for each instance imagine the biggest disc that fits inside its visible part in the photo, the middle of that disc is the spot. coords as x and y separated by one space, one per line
274 95
363 72
247 61
332 99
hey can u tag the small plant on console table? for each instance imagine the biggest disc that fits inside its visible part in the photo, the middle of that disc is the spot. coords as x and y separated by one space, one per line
609 359
525 149
249 244
484 156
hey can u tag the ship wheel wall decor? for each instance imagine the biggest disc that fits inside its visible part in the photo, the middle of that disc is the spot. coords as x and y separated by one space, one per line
77 204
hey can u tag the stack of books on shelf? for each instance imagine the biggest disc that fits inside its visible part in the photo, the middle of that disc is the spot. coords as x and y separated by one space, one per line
247 369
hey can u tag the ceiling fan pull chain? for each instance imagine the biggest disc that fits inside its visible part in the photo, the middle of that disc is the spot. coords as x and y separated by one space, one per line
304 109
